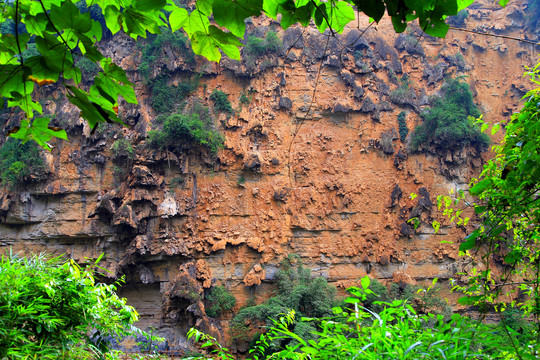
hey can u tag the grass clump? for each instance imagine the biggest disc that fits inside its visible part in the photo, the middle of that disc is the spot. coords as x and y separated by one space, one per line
219 300
20 163
449 121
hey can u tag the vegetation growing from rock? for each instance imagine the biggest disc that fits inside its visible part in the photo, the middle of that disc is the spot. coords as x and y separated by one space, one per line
221 102
20 163
180 130
153 49
165 98
404 94
269 44
449 123
403 129
219 300
122 150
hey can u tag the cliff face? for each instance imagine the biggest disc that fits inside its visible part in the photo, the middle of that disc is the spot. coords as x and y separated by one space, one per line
313 165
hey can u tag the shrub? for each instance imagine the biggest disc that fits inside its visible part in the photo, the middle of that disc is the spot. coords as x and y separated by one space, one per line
122 150
167 98
219 300
51 309
181 130
449 121
244 99
256 47
20 163
297 290
176 182
403 129
397 331
404 94
221 102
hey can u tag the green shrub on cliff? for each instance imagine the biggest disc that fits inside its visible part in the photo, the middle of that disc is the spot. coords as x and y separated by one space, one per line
153 49
20 162
269 44
181 130
221 102
219 300
403 129
449 121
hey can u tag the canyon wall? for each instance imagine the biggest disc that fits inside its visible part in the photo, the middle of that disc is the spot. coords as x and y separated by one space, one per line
313 165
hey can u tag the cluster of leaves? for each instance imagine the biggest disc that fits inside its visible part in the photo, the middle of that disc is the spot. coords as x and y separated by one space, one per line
20 162
153 49
61 29
51 309
221 102
219 300
449 123
180 130
403 129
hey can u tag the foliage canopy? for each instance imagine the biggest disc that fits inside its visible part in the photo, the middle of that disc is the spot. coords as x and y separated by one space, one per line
51 309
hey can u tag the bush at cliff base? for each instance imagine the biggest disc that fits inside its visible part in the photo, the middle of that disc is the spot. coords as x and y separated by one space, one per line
54 309
397 331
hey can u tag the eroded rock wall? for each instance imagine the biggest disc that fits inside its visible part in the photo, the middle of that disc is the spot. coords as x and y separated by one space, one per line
313 165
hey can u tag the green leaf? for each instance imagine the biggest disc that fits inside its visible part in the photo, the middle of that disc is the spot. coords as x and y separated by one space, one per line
365 281
209 44
436 226
484 127
469 300
495 128
372 8
513 257
470 241
150 5
479 209
232 14
338 15
177 18
481 186
196 22
39 131
462 4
